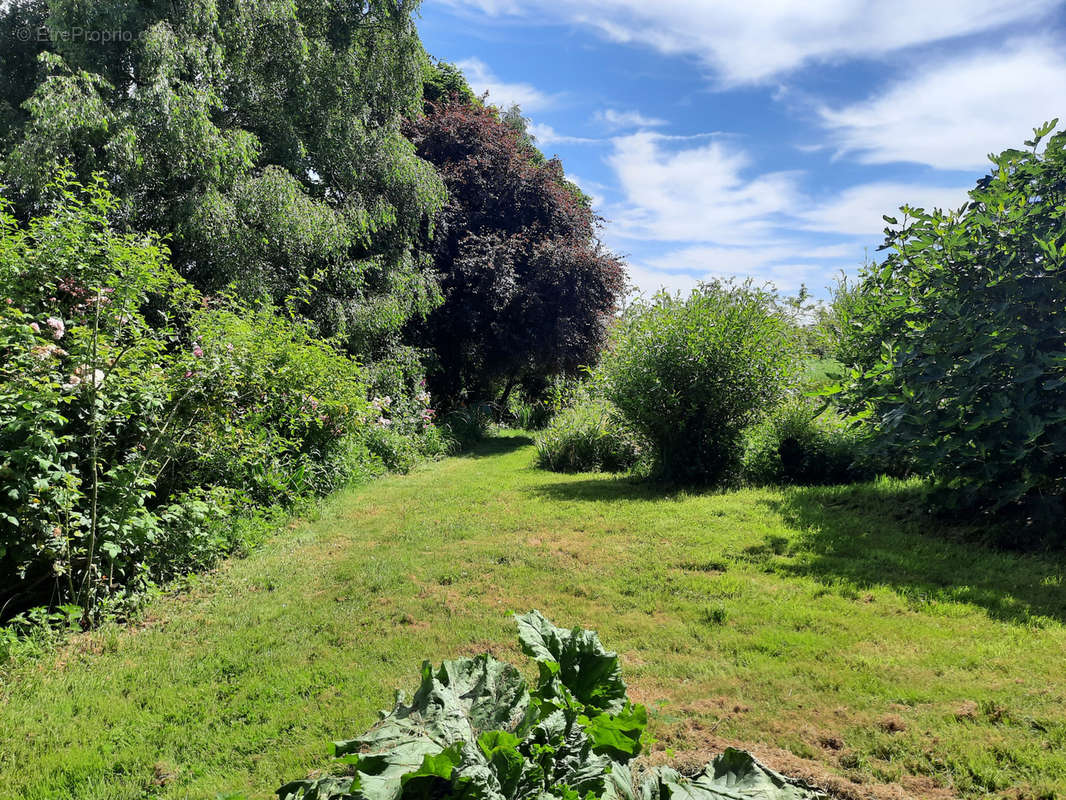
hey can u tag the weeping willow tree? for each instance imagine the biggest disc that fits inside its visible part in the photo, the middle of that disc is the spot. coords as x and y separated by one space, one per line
262 136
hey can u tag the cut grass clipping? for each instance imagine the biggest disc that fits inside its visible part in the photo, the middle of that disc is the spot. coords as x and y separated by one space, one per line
474 731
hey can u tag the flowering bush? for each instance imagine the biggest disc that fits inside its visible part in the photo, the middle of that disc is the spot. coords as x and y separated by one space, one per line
136 416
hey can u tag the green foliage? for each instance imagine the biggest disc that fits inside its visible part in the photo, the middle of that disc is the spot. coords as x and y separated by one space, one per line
475 730
588 436
689 374
263 138
274 404
836 323
956 350
443 82
137 418
800 442
469 425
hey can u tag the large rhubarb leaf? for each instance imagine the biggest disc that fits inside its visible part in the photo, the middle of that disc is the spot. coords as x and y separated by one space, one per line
574 662
734 775
473 731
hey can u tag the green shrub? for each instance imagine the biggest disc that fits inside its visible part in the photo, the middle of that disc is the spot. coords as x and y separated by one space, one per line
271 406
794 444
587 437
956 348
689 374
137 417
468 426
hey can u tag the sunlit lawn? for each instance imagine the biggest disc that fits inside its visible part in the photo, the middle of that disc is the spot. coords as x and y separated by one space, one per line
832 627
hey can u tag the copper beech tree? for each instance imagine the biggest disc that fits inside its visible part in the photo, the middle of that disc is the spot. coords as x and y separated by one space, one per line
528 288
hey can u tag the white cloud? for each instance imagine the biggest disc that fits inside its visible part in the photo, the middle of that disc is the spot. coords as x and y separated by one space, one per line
953 114
649 281
757 40
546 136
501 93
787 266
857 211
696 193
617 120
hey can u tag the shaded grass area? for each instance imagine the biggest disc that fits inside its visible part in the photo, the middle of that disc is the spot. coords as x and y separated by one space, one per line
832 624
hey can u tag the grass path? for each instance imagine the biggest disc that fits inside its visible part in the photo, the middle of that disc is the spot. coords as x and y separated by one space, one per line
820 624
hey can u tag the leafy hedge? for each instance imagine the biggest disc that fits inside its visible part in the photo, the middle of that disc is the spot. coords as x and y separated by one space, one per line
139 417
474 730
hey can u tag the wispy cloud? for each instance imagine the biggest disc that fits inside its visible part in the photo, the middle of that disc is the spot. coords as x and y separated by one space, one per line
758 40
952 114
613 119
546 136
701 193
502 93
858 210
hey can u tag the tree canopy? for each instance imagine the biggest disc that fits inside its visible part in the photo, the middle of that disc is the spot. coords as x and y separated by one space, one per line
263 137
528 289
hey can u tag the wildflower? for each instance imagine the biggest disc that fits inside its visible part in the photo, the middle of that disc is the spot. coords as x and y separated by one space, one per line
384 422
57 326
188 373
197 350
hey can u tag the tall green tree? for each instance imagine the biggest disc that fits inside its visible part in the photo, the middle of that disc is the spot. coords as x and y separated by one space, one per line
262 136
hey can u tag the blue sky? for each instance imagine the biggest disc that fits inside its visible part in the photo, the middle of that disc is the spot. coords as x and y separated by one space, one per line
762 138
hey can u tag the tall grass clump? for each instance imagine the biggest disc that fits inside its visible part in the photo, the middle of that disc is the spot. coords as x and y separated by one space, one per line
589 436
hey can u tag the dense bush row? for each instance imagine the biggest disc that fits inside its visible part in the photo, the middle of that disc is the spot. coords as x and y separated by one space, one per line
949 356
138 417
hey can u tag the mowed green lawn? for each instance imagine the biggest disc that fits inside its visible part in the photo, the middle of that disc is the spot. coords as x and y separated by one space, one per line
826 628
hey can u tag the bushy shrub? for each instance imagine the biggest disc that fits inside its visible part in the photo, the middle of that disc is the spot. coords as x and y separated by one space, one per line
465 427
956 348
590 436
795 444
136 416
689 374
270 406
